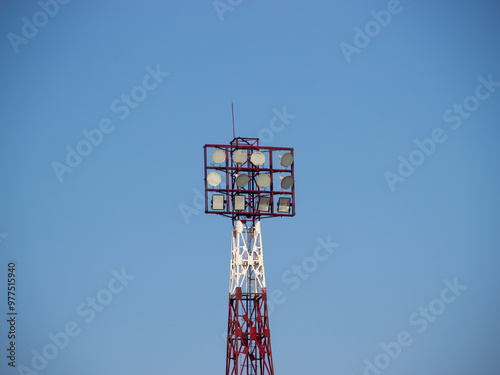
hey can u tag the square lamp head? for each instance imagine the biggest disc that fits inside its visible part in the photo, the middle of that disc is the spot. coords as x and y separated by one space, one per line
284 205
217 202
239 202
264 203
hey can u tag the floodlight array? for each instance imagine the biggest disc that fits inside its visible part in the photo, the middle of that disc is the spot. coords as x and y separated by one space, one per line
245 179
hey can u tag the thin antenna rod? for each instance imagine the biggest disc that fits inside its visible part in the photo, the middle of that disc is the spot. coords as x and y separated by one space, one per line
232 112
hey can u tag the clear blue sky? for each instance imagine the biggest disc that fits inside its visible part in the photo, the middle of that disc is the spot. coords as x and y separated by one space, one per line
395 132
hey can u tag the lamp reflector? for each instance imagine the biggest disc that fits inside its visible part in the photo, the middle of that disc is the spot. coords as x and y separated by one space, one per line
284 205
287 182
264 203
214 178
218 156
240 156
217 202
263 180
258 158
242 180
239 202
286 159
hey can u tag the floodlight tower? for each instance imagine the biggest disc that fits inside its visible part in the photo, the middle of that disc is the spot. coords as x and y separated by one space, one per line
248 182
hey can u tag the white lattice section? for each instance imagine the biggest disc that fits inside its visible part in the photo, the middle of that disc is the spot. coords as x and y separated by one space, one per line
247 259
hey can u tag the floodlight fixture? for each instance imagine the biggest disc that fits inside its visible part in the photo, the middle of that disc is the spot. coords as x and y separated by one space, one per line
218 156
264 204
214 178
284 205
239 202
250 180
257 158
263 180
217 202
286 159
287 182
240 156
242 180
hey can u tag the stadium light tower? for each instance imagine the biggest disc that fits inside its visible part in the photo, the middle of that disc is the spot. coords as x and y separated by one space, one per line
248 182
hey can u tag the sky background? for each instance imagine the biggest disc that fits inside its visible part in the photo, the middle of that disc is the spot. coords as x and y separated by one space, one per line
132 203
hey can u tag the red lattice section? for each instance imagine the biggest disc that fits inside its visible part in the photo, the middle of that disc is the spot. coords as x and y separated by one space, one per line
248 336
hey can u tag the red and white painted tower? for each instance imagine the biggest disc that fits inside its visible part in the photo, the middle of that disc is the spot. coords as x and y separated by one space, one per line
248 182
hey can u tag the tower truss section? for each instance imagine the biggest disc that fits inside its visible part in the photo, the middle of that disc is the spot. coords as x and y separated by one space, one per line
248 182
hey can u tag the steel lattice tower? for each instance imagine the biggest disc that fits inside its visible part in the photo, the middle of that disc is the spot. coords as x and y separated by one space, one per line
248 182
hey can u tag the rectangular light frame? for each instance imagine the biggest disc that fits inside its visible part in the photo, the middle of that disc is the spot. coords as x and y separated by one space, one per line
284 205
264 204
233 165
218 202
239 202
